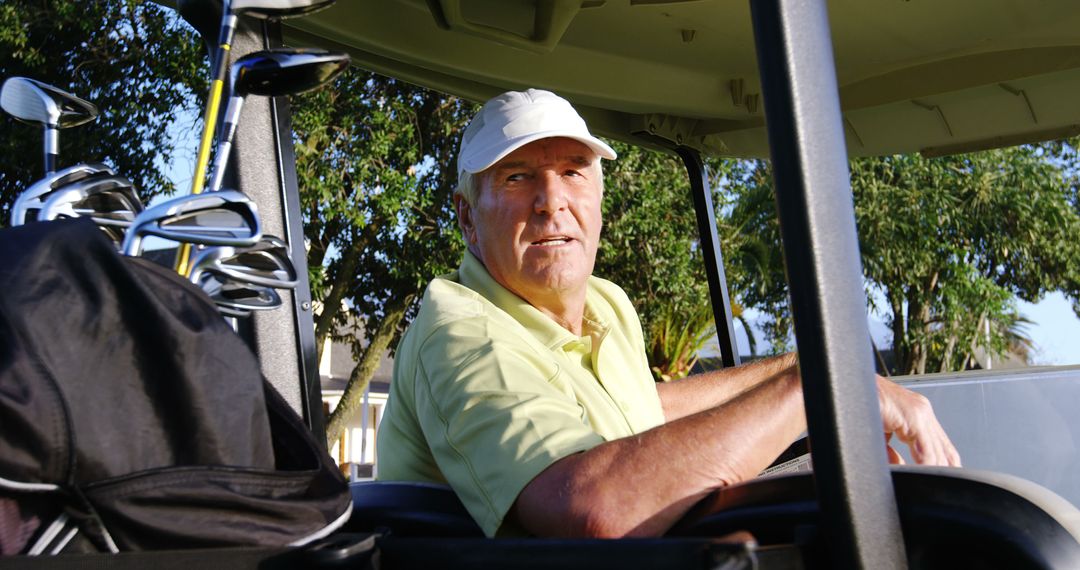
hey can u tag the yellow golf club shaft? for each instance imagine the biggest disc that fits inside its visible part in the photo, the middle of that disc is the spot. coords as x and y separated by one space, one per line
183 254
202 161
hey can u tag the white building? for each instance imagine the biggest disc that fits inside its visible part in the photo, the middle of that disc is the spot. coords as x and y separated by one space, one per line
355 451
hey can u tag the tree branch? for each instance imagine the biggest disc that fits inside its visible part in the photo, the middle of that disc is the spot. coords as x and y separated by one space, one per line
900 351
364 370
343 279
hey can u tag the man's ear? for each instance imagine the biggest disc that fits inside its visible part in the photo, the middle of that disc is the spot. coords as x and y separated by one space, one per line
464 216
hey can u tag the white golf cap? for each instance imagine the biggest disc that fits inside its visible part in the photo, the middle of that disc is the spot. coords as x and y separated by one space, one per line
517 118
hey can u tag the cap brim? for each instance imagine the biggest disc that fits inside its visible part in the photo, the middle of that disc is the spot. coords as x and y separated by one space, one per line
482 160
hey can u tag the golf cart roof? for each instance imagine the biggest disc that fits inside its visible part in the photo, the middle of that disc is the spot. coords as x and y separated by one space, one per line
914 76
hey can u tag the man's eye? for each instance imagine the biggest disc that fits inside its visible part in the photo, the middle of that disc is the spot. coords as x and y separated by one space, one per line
572 173
515 177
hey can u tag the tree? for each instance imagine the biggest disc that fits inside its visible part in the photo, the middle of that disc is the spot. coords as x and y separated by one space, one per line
649 247
949 243
761 284
136 61
376 160
952 241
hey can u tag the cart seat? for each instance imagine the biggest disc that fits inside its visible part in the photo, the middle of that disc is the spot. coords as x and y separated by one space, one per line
410 509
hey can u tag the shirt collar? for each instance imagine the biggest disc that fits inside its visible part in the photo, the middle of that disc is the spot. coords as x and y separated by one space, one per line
475 276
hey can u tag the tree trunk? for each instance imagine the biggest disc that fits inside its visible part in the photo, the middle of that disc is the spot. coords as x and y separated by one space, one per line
912 343
364 370
975 339
900 351
950 345
880 359
324 322
750 340
919 319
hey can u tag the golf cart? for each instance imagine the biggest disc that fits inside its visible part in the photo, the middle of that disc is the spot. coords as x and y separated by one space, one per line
681 76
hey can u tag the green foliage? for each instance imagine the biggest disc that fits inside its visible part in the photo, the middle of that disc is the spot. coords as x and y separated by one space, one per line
675 339
647 244
649 247
765 288
376 160
753 260
136 61
950 243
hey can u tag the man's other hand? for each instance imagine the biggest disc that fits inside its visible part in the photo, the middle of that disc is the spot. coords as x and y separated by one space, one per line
910 417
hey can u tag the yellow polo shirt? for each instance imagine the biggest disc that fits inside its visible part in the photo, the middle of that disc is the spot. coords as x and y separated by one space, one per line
488 391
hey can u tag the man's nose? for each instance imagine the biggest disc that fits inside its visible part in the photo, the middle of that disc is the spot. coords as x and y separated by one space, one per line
551 193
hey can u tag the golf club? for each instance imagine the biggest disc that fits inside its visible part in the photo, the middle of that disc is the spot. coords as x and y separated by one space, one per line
272 73
266 263
237 299
37 103
226 217
33 197
232 314
110 201
230 12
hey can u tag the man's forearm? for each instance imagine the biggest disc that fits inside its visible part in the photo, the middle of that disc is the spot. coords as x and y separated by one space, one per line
701 392
641 485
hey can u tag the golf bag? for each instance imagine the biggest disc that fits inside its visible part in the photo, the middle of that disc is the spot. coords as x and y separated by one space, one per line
133 418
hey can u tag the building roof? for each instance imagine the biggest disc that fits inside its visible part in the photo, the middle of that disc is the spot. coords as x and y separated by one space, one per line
341 367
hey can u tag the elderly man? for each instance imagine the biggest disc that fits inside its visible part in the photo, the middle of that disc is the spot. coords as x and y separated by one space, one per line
523 381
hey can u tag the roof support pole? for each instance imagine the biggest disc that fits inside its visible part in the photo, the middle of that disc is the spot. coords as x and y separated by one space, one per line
828 303
263 166
710 251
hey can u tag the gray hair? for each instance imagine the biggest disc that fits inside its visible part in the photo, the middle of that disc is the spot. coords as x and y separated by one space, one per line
468 186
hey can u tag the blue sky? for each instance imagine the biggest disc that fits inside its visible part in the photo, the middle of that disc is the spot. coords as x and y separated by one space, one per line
1057 330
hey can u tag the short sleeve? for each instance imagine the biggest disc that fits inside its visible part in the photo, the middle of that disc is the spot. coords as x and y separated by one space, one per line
493 414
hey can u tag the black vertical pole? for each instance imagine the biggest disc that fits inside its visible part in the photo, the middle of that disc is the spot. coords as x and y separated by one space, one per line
710 251
302 310
821 252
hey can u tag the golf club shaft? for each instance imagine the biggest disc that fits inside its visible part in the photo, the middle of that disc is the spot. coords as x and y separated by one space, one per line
228 27
221 157
52 148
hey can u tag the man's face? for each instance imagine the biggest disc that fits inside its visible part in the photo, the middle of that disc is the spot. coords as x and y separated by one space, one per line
536 221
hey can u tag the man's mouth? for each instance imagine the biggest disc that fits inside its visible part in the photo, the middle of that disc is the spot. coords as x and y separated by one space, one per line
552 241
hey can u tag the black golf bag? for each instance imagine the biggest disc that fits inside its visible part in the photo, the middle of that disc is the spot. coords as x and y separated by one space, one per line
133 418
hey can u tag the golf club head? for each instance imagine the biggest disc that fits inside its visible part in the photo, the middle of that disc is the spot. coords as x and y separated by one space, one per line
238 298
285 71
271 73
108 200
277 9
266 263
227 217
38 103
33 198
